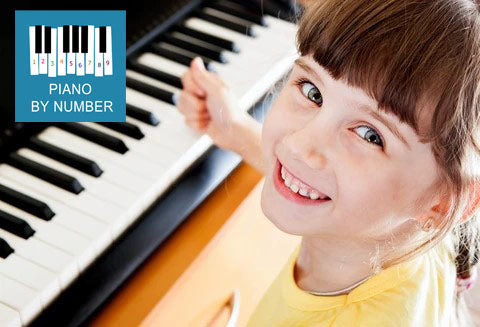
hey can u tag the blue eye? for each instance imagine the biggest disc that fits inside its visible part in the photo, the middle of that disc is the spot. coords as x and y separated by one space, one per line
372 137
310 91
313 94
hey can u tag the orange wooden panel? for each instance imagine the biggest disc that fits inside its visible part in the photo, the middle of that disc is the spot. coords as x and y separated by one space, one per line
246 254
139 295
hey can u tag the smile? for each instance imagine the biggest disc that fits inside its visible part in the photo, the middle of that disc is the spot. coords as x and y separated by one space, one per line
295 190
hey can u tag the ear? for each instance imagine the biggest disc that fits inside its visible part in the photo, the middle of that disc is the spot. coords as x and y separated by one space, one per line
473 205
473 202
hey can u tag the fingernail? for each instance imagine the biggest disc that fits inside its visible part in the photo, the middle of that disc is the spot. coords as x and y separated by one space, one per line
199 63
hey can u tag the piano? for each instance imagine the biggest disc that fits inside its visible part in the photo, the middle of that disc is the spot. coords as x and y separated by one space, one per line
82 205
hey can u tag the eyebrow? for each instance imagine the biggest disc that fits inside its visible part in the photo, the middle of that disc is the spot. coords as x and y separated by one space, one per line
302 64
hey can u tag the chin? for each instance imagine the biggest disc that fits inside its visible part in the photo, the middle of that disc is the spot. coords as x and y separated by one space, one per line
282 220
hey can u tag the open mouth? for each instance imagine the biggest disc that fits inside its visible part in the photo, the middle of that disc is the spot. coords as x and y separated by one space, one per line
293 193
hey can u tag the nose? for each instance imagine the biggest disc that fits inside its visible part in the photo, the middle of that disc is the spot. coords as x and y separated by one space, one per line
305 146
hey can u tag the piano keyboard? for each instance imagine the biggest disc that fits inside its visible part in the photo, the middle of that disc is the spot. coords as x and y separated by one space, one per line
70 49
75 187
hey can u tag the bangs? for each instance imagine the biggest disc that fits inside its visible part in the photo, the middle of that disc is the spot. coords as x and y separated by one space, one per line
413 57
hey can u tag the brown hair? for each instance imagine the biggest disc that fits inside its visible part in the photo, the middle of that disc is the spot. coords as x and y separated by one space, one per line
420 59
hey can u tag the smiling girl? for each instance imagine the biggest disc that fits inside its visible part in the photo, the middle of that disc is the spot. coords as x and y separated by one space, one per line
370 152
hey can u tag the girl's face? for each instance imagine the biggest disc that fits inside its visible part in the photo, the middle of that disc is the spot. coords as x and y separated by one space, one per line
320 131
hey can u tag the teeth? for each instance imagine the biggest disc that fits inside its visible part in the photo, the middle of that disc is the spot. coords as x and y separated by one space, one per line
303 191
296 189
314 195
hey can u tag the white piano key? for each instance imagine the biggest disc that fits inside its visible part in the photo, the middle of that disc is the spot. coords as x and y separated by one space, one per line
172 123
45 255
142 148
96 185
164 64
108 64
245 42
52 56
98 54
156 184
89 61
71 63
62 59
277 24
152 81
69 218
274 30
9 317
42 280
111 171
33 55
111 214
72 243
129 160
43 59
21 298
163 136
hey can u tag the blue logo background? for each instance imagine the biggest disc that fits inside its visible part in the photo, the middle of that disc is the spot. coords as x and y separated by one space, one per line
30 88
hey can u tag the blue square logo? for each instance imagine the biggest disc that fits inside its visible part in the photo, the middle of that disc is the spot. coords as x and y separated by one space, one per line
70 66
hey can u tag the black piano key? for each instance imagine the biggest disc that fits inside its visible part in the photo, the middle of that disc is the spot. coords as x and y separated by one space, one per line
71 159
213 53
26 203
125 128
75 39
66 38
143 115
155 73
108 141
151 90
103 39
250 6
237 11
5 249
38 39
84 39
15 225
48 174
48 39
219 42
237 27
181 58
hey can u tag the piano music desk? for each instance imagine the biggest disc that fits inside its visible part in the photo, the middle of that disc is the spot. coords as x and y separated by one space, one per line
226 243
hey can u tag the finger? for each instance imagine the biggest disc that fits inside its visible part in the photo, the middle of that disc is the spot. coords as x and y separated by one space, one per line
197 124
210 82
190 85
198 115
188 103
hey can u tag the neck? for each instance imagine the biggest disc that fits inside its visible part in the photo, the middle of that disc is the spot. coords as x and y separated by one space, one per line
321 258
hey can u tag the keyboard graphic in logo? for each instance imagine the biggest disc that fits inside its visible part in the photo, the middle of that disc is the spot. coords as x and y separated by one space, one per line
71 50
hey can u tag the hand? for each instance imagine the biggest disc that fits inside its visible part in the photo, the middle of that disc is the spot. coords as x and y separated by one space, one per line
209 106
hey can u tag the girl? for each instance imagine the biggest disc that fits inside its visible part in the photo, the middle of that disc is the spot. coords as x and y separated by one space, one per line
370 153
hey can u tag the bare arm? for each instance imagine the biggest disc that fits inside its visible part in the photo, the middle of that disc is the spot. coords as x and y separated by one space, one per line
248 134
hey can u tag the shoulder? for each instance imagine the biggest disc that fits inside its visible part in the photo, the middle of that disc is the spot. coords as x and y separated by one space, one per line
426 298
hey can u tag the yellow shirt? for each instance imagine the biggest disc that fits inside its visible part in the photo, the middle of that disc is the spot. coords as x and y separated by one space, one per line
418 292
